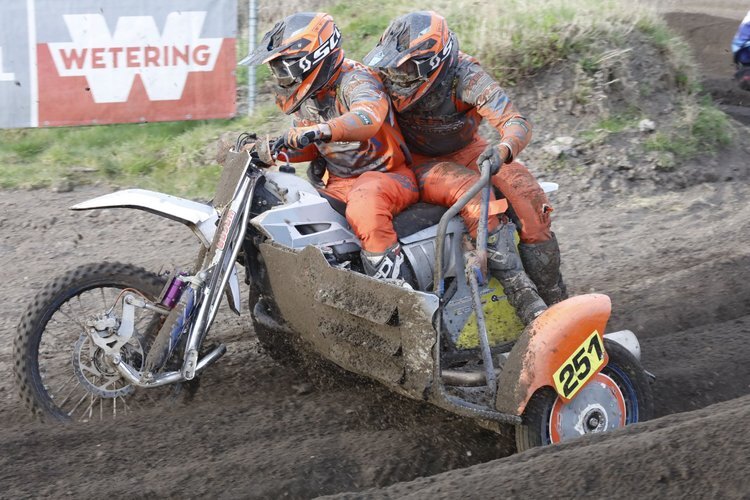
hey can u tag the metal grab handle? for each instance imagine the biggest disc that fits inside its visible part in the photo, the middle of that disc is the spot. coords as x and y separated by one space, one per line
484 181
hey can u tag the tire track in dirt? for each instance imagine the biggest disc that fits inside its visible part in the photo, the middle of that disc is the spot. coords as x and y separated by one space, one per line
249 432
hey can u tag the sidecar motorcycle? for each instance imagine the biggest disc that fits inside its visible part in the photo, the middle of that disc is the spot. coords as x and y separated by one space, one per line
107 332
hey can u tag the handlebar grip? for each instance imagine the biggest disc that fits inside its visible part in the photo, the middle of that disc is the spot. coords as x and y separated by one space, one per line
305 139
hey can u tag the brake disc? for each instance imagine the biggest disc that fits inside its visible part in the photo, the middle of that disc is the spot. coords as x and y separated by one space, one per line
598 407
97 374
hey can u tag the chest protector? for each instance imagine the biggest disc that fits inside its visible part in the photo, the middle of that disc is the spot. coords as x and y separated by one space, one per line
437 124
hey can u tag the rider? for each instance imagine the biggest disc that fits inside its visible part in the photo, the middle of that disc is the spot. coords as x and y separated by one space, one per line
741 52
342 118
440 96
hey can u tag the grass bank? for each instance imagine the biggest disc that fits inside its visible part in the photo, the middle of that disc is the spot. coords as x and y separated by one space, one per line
512 38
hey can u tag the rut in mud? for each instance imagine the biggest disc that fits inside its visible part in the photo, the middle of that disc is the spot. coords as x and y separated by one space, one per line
675 264
254 430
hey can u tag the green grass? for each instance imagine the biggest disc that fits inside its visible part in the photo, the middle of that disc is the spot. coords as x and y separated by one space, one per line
702 129
611 125
176 157
512 39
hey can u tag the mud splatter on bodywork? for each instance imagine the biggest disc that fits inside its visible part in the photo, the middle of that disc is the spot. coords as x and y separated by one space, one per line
367 326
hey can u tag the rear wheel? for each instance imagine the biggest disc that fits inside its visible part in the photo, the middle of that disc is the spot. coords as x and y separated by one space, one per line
60 372
619 395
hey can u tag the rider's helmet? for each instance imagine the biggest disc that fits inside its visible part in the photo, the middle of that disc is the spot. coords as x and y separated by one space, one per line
304 53
414 54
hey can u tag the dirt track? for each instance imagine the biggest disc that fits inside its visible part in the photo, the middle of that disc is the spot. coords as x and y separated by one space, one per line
676 266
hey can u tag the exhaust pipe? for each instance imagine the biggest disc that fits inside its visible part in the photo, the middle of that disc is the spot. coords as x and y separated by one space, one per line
142 380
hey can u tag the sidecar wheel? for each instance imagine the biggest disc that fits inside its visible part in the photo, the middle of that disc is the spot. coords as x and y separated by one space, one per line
619 395
60 374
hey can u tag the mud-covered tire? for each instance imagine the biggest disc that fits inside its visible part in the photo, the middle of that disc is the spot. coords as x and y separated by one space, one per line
623 368
46 303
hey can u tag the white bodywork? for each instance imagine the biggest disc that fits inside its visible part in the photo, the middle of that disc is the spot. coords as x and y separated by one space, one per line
199 217
282 224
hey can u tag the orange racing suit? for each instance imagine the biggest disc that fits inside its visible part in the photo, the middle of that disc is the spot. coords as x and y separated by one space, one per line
365 157
442 127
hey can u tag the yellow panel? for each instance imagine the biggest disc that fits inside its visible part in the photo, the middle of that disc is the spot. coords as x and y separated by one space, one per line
502 322
580 366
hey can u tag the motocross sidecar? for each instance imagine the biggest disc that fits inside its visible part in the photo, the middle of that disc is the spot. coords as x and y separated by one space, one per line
461 348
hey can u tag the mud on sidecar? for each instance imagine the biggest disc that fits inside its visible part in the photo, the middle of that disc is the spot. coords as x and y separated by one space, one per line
556 379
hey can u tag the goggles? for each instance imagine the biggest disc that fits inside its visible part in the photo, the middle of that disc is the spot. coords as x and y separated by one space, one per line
415 70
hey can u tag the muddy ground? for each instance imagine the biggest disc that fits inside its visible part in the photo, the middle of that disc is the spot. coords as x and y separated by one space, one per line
676 264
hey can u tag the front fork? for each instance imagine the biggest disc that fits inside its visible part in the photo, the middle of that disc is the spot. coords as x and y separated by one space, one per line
227 244
209 285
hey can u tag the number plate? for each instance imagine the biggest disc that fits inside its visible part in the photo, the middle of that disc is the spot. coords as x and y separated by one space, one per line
580 366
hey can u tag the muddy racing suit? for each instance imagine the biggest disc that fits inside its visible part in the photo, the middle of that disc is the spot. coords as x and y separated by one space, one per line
365 157
442 128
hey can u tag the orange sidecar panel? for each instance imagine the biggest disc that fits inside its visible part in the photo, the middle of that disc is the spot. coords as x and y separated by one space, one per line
558 350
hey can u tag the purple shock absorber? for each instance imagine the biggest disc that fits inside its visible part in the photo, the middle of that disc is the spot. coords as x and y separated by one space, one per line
174 292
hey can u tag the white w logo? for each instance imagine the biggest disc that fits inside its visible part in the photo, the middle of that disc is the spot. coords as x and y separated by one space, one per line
110 61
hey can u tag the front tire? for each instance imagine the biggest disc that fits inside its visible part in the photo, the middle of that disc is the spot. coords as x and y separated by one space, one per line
620 395
60 373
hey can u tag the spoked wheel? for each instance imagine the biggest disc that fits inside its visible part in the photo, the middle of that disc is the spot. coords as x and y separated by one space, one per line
60 371
617 396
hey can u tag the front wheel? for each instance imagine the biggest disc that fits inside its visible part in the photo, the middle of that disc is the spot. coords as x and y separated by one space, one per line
61 373
619 395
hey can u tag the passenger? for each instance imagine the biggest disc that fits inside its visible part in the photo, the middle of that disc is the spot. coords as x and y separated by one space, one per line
440 96
741 51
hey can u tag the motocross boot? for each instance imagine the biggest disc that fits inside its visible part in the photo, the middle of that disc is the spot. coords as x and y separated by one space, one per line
504 263
542 264
389 265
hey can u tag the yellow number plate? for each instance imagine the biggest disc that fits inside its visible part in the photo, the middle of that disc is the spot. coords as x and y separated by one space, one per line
579 367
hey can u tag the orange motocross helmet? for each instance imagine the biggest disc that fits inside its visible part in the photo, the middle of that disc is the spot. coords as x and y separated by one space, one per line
413 55
304 53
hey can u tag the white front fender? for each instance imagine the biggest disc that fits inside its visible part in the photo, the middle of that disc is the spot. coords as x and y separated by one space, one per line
199 217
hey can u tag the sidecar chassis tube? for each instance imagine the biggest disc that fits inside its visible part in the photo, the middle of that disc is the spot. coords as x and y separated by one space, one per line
484 180
134 376
489 369
442 398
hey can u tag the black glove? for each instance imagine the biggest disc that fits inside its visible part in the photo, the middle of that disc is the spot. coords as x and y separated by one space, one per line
492 155
315 172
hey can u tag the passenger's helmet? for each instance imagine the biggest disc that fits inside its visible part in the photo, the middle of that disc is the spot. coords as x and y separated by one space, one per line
304 53
413 55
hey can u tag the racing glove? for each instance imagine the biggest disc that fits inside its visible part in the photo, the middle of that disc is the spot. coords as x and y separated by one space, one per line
496 155
301 137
